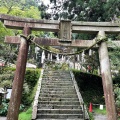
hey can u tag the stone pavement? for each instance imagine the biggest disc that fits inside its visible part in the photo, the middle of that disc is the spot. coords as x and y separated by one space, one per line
2 118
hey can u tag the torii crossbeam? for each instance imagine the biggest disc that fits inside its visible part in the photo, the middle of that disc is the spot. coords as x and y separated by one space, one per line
65 28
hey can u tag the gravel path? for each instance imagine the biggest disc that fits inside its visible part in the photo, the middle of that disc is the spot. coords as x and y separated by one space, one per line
100 117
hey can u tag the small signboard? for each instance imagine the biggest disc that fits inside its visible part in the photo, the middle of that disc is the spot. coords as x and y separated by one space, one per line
9 91
101 107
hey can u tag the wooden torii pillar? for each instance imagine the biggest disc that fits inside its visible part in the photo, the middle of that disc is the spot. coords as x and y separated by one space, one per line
30 24
14 104
106 78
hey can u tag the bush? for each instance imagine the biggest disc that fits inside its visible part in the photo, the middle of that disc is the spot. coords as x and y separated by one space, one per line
29 87
30 84
26 115
4 108
90 87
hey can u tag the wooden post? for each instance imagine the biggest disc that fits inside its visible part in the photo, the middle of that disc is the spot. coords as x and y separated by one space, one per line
106 78
13 110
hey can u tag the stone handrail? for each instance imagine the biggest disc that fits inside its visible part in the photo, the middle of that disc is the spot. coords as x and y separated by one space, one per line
86 116
35 104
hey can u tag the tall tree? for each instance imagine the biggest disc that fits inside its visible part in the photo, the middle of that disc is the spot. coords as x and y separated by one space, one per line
22 8
84 10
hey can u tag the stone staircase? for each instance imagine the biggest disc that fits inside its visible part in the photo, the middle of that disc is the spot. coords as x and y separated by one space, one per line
58 98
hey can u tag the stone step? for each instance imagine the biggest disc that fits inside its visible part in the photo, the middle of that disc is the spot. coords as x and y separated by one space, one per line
58 92
56 74
60 102
46 106
59 111
58 84
56 71
60 116
56 79
59 95
58 89
55 87
57 99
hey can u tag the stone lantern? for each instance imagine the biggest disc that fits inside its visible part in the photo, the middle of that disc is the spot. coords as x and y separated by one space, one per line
2 93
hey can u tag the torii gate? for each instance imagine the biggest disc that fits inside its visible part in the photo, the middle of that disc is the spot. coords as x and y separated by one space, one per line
65 28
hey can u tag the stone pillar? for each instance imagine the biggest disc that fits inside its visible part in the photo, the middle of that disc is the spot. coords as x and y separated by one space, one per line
14 104
78 58
62 57
51 57
83 55
57 57
43 57
90 52
98 70
48 56
106 78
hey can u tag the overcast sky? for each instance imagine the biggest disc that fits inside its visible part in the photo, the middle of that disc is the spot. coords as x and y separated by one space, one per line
46 2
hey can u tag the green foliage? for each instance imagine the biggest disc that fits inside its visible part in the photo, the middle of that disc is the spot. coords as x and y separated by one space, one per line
6 77
22 8
91 116
56 66
31 77
84 10
26 115
30 85
90 87
117 96
3 108
62 66
115 57
98 111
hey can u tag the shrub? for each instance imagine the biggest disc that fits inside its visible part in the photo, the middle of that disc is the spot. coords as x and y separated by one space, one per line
90 87
26 115
30 84
29 87
4 108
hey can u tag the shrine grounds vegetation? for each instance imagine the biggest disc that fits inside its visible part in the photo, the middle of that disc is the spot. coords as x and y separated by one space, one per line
26 115
29 88
90 87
